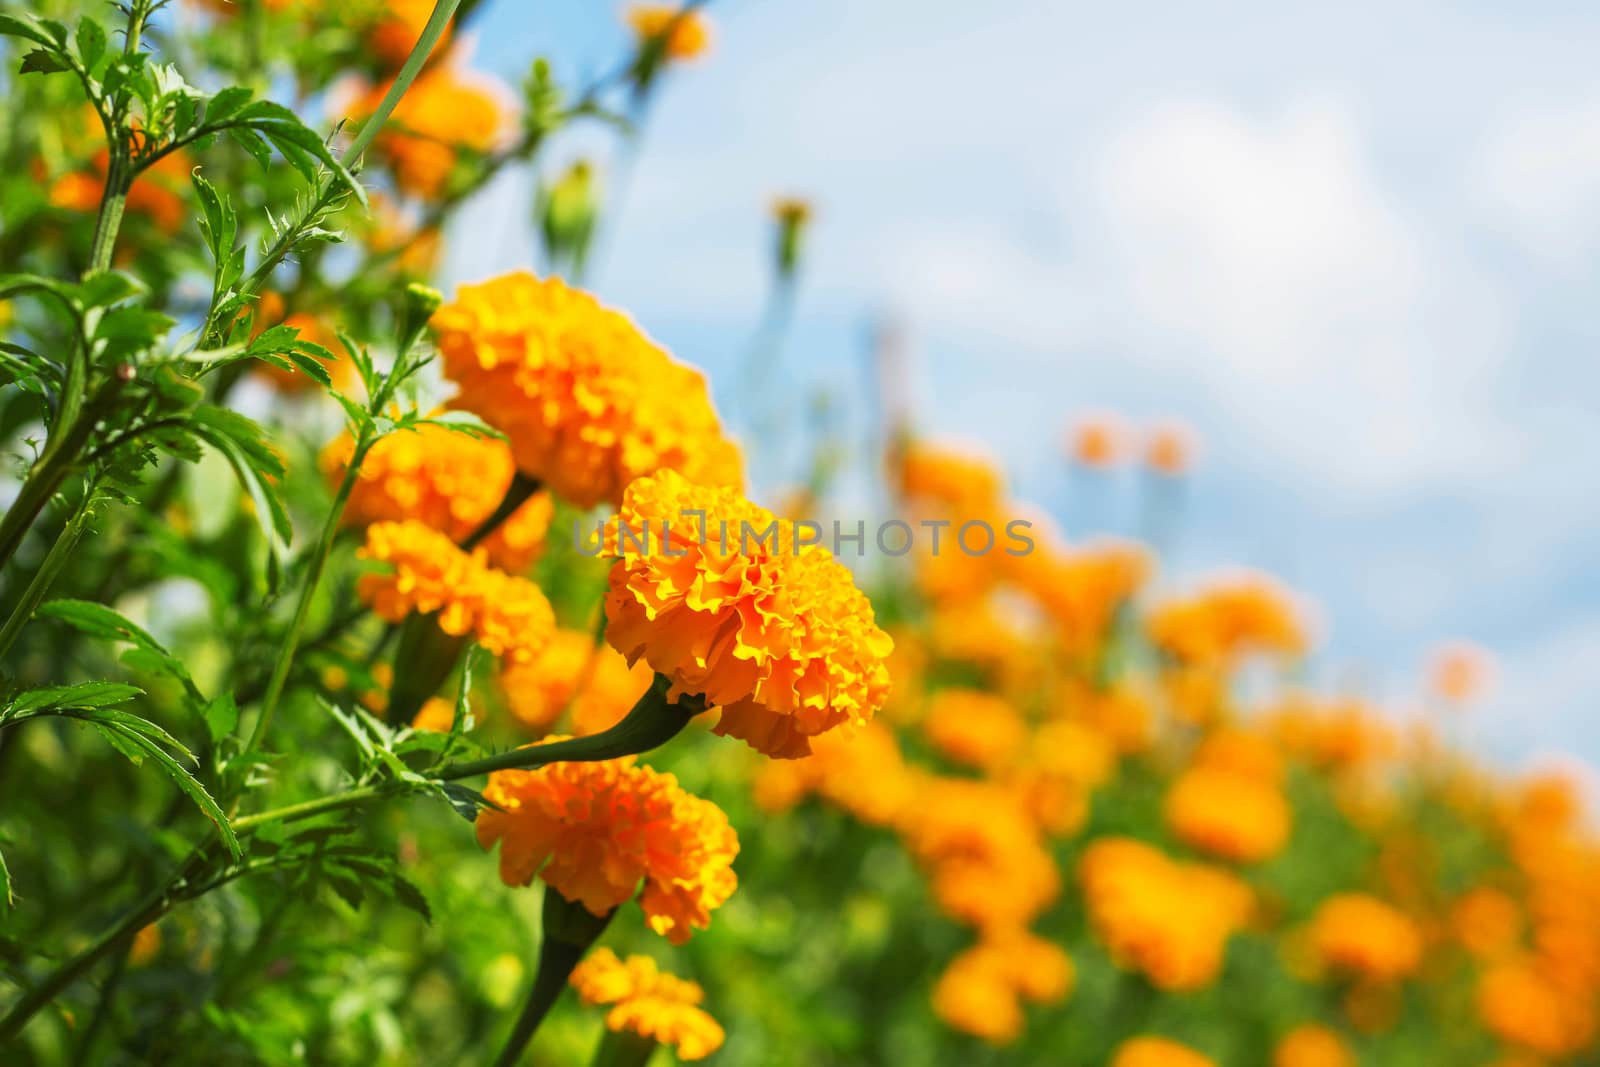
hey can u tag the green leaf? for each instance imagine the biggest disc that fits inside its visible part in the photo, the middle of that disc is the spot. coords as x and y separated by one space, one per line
5 883
226 103
28 28
196 792
57 698
97 620
91 40
251 142
222 716
42 61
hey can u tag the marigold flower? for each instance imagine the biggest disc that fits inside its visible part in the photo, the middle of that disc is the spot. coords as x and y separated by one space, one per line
1169 920
1169 450
986 861
773 633
573 672
1487 922
507 615
447 480
975 728
980 990
594 831
1098 441
588 402
1230 620
1459 673
1082 590
398 28
648 1002
444 113
1241 752
1344 735
947 477
859 770
1361 935
1311 1045
437 715
1229 815
1157 1052
1523 1006
688 32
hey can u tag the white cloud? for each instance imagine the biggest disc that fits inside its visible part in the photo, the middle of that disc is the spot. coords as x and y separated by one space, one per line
1538 179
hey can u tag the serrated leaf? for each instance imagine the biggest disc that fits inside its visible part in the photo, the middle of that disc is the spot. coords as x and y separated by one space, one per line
64 697
196 792
251 142
91 41
43 61
97 620
5 883
27 28
120 741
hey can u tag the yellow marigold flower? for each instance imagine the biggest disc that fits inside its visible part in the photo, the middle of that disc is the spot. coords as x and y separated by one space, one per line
986 861
1082 590
1228 815
448 481
1487 922
1232 619
772 632
648 1002
573 672
979 992
436 715
1341 735
689 32
588 401
1241 752
594 831
1523 1006
1169 920
428 573
1312 1046
1361 935
444 113
1157 1052
975 728
858 769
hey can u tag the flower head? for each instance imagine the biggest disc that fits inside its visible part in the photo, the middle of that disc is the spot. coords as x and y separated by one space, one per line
688 33
1157 1052
646 1001
448 481
1169 450
595 831
1311 1045
980 991
1098 441
1169 920
773 632
1361 935
396 31
975 728
1228 814
1230 620
1523 1005
573 672
428 573
588 402
859 770
443 114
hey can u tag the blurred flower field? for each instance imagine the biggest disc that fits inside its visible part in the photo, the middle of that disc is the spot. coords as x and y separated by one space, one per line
380 681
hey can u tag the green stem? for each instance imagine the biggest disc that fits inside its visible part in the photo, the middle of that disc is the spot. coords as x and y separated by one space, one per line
438 22
45 575
623 1048
569 930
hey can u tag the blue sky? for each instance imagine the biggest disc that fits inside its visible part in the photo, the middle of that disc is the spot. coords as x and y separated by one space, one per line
1354 248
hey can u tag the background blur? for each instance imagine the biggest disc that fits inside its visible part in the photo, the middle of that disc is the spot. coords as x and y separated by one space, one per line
1353 249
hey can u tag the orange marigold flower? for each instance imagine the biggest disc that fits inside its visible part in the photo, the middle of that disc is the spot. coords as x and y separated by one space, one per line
398 28
975 728
1229 815
979 992
1487 922
573 672
447 480
774 633
158 194
1098 441
1311 1045
947 477
428 573
1169 920
986 861
689 32
436 715
1342 734
1230 620
1157 1052
588 401
1524 1006
1169 450
858 769
444 113
1083 589
648 1002
1460 673
1241 752
594 831
1358 934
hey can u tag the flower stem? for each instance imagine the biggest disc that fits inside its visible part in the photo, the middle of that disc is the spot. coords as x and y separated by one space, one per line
45 575
438 22
623 1048
569 930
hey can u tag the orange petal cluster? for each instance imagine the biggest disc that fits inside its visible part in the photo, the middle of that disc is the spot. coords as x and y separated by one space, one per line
774 634
975 728
1169 920
588 401
1311 1045
1360 935
595 831
859 770
981 990
442 114
1227 814
447 480
573 672
1158 1052
428 573
649 1002
688 32
1235 618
